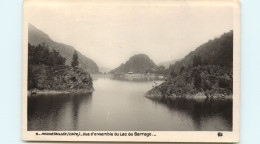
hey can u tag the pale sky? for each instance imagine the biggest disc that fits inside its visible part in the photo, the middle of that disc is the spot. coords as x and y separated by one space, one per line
110 34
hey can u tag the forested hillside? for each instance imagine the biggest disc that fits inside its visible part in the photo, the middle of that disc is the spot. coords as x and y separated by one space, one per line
140 63
36 37
214 52
208 71
47 71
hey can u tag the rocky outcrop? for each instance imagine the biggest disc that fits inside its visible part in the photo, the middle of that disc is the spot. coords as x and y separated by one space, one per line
59 79
205 81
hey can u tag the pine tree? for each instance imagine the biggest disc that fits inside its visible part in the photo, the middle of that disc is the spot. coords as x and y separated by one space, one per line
182 69
75 61
197 60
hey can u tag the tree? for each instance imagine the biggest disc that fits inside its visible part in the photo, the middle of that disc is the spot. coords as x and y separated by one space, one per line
197 78
197 60
173 74
182 69
161 69
75 62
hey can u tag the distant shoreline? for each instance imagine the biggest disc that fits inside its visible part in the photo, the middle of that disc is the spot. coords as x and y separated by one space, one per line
44 92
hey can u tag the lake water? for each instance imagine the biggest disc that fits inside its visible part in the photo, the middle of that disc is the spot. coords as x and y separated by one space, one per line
120 105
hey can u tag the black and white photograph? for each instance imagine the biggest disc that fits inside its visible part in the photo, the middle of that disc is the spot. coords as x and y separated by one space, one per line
159 70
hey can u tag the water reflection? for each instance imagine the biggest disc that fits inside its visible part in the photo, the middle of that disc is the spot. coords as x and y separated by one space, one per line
120 105
216 111
56 111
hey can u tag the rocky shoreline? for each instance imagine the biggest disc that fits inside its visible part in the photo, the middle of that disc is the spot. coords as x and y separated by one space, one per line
201 95
59 79
201 81
53 92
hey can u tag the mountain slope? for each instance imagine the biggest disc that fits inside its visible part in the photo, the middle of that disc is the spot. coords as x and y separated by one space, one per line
140 63
206 71
214 52
166 64
36 37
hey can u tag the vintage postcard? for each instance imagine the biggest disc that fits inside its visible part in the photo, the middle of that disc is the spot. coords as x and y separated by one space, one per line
131 70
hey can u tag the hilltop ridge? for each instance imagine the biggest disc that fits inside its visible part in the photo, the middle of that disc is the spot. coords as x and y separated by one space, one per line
206 71
37 36
140 63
